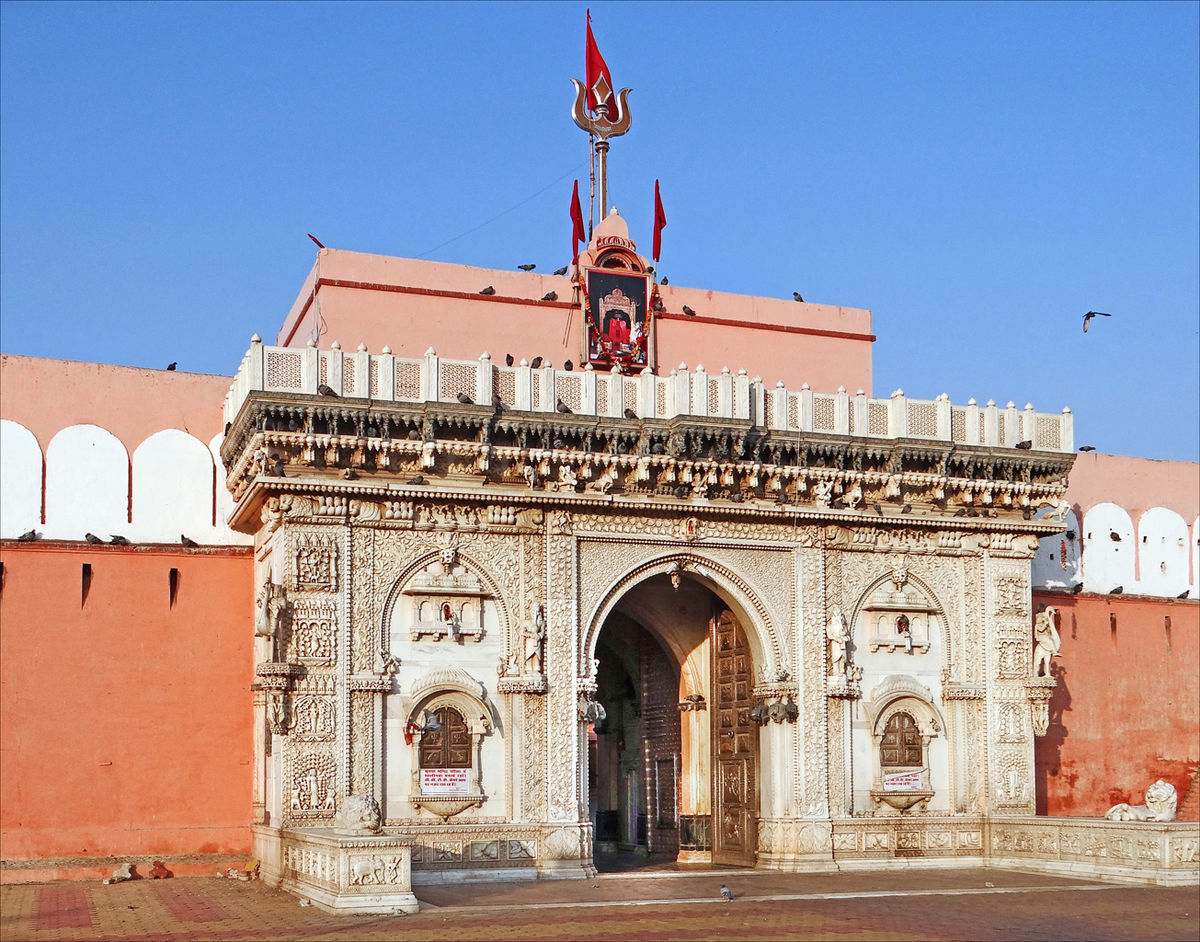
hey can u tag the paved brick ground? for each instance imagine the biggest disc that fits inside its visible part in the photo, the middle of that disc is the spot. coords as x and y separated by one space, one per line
904 904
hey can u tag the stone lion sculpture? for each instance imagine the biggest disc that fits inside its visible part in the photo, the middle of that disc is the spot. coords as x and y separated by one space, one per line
360 814
1161 799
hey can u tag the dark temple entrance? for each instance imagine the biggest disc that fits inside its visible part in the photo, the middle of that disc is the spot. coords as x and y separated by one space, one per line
673 766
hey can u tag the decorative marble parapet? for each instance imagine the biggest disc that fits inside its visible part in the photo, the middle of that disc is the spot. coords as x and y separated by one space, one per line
342 873
1132 851
695 392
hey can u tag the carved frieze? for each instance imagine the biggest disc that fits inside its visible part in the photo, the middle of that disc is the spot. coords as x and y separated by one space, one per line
316 556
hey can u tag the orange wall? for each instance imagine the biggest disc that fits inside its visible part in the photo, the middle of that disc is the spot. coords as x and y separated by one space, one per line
126 722
1125 710
46 396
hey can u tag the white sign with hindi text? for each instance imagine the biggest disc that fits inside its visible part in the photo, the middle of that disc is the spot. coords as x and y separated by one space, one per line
445 781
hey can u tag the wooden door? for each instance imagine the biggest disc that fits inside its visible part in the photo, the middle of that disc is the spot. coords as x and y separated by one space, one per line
734 746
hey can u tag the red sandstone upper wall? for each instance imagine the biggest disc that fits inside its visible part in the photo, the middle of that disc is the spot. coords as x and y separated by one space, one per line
46 396
411 305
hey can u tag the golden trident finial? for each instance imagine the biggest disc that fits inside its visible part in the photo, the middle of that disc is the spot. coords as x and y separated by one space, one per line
600 126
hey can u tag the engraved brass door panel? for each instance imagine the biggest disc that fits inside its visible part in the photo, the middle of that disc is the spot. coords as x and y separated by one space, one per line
735 746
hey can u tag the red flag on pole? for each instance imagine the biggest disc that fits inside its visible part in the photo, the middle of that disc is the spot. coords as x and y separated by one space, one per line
660 221
577 233
596 67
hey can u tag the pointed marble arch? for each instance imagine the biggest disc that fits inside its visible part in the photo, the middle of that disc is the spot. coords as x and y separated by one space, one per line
931 596
416 565
736 592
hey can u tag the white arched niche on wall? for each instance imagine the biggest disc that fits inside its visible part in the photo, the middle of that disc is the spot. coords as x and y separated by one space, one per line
1196 557
1056 565
172 488
224 500
87 484
1107 559
20 480
1163 551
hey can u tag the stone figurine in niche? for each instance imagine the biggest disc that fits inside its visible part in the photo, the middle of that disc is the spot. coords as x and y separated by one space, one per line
1161 800
535 642
271 604
1046 642
904 628
838 634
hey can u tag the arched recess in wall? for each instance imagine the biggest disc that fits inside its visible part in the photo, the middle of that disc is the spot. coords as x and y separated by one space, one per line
1057 562
87 484
20 480
224 500
172 488
1195 557
1163 553
1108 549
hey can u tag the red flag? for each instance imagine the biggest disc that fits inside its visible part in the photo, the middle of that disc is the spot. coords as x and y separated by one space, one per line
596 67
660 221
577 233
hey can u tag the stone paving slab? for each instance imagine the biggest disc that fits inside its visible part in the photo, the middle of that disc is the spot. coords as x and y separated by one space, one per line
905 904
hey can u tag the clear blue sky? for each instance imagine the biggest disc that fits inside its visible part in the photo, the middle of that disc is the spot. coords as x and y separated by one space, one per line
978 175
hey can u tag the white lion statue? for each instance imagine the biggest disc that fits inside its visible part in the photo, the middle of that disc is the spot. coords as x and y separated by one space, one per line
360 814
1161 799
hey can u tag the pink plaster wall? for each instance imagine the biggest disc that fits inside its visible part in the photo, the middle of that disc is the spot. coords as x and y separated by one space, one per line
1136 484
48 395
411 305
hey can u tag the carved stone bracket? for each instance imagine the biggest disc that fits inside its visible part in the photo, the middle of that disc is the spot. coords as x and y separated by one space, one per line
447 806
957 691
371 683
1040 690
535 685
779 710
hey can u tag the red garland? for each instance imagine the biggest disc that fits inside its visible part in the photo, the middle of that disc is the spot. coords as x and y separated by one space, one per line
624 359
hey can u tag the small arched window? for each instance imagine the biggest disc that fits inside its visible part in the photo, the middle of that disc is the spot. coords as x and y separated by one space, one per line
448 747
901 745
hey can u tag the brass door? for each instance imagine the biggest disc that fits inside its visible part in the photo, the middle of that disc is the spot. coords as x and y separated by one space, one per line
734 746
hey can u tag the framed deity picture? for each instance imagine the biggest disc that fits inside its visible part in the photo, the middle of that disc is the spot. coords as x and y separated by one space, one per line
616 322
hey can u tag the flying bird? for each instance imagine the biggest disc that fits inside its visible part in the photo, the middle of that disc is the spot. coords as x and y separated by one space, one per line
562 406
171 366
187 541
465 399
488 290
118 540
726 893
630 414
1088 448
529 267
568 366
796 296
550 296
1087 318
561 271
508 359
29 537
323 390
92 538
535 363
1025 445
688 311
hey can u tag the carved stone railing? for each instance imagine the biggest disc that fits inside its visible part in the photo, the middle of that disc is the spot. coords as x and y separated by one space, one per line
683 392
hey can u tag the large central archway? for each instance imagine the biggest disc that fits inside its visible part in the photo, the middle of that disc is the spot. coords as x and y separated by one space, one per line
673 766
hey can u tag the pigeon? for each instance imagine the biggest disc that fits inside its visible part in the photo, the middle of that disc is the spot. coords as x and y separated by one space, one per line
906 509
1087 448
1025 445
350 474
414 435
796 296
323 390
658 448
315 239
187 541
465 399
972 512
293 425
658 304
1118 590
782 498
681 491
508 359
737 497
559 444
568 366
1077 588
1183 594
550 296
630 414
726 893
277 468
530 267
92 538
649 269
488 290
372 431
118 540
561 271
535 363
228 426
171 366
1087 318
961 512
878 509
664 282
416 480
1114 536
562 406
688 311
29 537
1026 514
